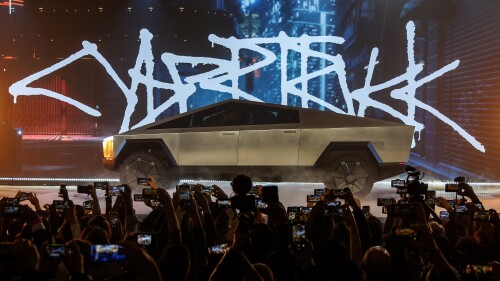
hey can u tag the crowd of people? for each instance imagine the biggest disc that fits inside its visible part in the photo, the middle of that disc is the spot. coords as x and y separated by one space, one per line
195 234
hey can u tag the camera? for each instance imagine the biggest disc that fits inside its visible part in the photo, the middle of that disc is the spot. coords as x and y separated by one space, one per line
480 272
403 210
451 187
384 201
143 181
85 189
107 253
138 198
55 251
219 249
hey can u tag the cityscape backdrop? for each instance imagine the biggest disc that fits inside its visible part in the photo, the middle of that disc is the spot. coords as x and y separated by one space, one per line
431 64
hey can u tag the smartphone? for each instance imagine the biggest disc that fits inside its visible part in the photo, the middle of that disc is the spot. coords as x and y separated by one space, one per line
338 192
10 201
319 191
224 203
138 198
405 232
143 181
384 201
85 189
209 190
451 202
145 239
155 203
399 183
107 253
149 193
101 184
430 194
55 251
60 204
87 205
479 206
444 214
113 219
333 211
480 270
184 195
115 190
313 198
482 215
403 210
260 204
24 196
333 203
293 214
366 210
460 209
219 249
298 236
10 211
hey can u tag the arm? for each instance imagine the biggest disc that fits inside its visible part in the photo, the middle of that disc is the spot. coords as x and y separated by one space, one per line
355 247
96 208
172 221
360 220
132 222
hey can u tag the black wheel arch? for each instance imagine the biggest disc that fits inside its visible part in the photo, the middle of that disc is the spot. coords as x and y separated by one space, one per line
133 145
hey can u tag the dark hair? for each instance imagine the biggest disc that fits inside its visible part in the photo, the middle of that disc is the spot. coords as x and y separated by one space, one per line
241 184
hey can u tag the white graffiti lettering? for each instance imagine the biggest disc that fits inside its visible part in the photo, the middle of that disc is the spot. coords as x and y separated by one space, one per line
226 73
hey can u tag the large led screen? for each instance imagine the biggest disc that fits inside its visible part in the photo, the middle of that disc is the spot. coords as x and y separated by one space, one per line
75 72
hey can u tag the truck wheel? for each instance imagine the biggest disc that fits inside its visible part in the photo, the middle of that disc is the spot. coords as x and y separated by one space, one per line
142 165
354 172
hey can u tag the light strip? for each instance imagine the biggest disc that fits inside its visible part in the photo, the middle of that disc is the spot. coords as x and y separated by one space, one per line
442 183
58 179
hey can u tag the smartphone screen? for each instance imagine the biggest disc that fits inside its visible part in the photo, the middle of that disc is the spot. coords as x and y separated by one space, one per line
144 239
219 249
223 203
55 251
298 236
313 198
107 253
138 198
184 196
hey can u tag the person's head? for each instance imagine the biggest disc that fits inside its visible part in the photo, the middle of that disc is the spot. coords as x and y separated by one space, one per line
264 271
241 184
95 235
175 262
376 263
101 222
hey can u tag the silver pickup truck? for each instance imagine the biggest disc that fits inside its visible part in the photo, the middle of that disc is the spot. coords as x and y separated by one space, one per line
268 142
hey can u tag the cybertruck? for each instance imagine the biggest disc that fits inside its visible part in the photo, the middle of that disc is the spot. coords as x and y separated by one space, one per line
270 143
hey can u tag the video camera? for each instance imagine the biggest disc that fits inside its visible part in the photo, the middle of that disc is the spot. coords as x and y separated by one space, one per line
412 185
